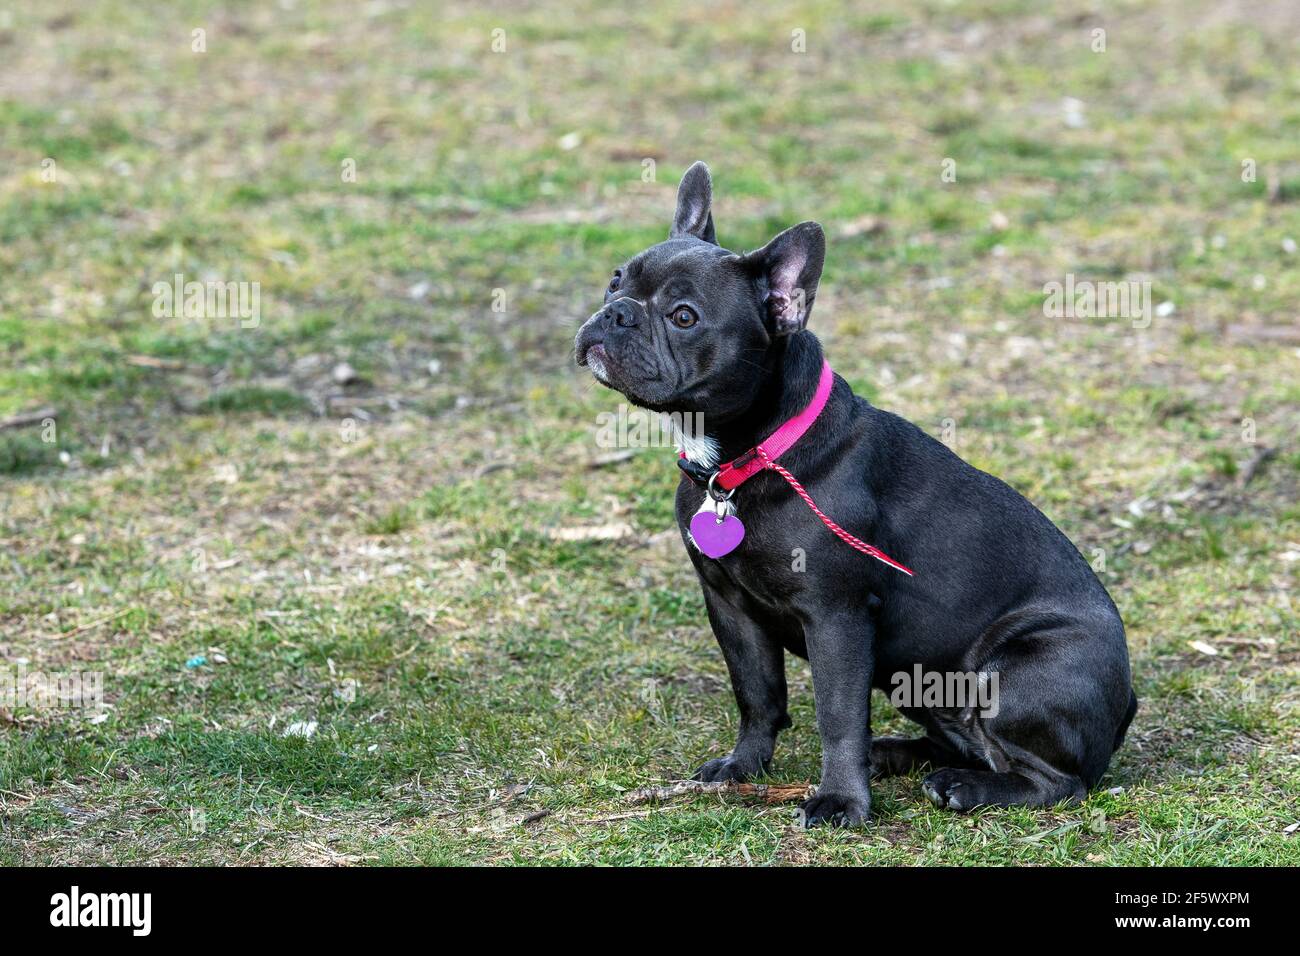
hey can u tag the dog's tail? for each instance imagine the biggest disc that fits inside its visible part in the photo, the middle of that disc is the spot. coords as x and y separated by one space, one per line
1128 718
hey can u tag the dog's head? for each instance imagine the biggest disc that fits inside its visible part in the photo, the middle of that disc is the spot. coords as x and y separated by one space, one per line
688 326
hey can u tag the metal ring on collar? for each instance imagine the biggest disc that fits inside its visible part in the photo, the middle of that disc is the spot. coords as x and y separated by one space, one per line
714 494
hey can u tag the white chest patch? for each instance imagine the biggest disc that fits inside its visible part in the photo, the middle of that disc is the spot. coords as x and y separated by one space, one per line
700 449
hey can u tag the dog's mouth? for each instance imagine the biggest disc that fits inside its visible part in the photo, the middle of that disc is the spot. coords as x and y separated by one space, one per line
622 370
611 373
596 358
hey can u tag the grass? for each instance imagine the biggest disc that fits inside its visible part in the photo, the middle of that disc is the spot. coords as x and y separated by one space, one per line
387 556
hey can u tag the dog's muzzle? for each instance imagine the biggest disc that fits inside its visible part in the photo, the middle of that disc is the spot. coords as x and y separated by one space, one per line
620 314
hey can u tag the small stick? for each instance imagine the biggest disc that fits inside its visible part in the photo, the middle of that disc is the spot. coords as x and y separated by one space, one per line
613 458
24 419
103 620
767 793
1257 461
152 361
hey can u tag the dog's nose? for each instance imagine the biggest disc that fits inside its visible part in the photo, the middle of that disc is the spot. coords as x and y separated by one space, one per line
624 314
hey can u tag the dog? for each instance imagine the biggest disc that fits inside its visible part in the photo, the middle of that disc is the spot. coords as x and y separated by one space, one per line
962 574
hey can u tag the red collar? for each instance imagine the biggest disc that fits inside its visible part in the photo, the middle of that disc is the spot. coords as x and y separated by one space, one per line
745 466
763 457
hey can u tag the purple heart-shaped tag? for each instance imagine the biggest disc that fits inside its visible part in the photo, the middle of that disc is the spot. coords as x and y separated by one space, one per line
716 538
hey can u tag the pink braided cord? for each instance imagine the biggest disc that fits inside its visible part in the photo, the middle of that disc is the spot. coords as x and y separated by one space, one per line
856 543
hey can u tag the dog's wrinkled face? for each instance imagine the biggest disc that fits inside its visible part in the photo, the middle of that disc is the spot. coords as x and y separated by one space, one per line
687 325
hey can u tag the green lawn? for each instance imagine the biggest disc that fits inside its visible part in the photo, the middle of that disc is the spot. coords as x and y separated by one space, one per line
237 542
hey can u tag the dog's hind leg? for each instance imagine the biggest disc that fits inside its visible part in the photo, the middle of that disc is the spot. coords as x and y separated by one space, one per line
962 789
1048 728
895 756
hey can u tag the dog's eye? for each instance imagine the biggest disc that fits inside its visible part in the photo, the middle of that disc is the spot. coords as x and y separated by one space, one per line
615 282
683 317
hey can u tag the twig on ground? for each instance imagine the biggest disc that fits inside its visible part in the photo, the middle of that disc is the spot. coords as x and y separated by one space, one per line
92 624
23 419
767 793
152 361
1257 461
613 458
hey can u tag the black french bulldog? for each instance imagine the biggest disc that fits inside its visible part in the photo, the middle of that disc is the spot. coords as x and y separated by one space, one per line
689 327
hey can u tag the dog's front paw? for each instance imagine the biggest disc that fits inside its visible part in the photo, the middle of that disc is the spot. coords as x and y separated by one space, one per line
728 769
836 809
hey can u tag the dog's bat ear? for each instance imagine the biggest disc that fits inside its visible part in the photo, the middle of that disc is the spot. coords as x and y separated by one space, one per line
789 268
695 205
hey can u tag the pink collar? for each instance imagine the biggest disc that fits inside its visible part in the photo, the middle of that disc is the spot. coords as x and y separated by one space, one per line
763 457
745 466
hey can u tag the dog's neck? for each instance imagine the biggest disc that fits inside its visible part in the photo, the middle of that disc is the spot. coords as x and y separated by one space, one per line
792 369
